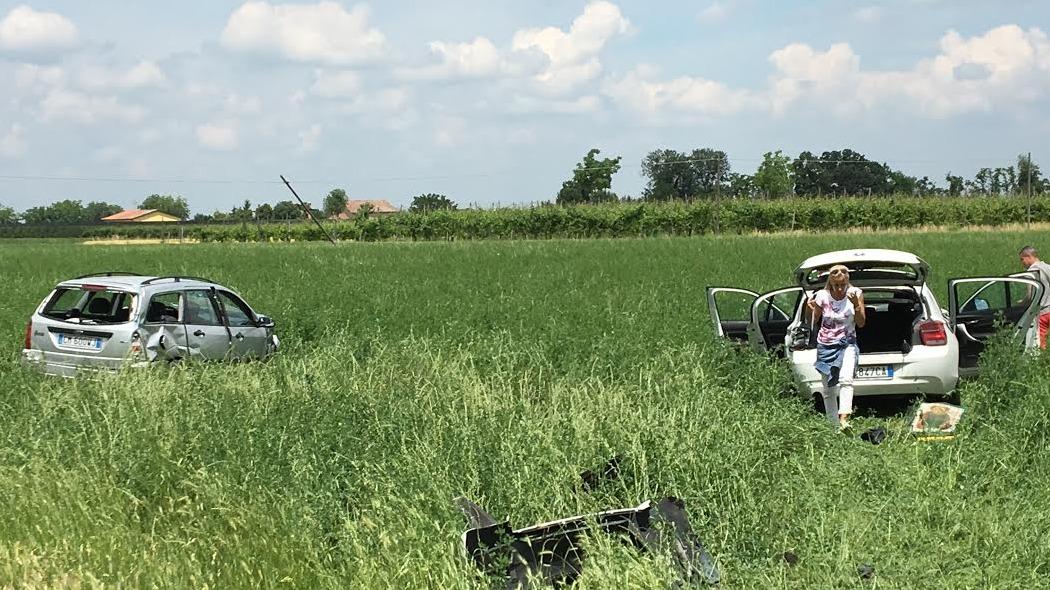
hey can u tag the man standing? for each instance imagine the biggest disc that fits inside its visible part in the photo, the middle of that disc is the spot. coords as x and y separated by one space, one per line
1030 261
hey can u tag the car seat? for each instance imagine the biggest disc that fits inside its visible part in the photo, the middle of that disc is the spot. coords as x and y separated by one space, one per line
99 306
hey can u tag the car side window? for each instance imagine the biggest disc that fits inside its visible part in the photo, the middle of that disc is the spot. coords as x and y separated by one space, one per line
236 311
164 308
200 309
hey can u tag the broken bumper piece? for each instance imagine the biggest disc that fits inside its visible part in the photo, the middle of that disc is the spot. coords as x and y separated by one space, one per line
550 553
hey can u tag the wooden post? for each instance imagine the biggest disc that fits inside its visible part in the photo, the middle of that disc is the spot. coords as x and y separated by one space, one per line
1029 224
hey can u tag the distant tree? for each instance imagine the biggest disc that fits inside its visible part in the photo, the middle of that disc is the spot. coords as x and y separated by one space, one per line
742 186
64 212
677 175
364 211
774 177
203 218
956 184
335 202
591 180
1039 184
902 184
96 210
170 204
7 215
926 187
287 210
242 213
981 183
840 172
264 212
431 202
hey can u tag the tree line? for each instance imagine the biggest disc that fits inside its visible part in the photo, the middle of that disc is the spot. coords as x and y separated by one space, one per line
671 175
73 212
706 173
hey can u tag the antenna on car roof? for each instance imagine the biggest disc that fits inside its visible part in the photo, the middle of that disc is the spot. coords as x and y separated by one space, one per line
308 212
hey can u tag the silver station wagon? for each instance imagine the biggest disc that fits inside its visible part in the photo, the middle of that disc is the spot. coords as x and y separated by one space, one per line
108 320
910 345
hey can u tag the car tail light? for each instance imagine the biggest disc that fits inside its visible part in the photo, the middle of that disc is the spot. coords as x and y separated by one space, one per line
135 350
29 336
932 333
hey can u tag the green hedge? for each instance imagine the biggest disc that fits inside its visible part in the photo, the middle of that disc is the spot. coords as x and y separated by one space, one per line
609 221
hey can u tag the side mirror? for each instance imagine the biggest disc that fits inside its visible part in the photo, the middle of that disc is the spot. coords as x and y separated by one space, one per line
265 321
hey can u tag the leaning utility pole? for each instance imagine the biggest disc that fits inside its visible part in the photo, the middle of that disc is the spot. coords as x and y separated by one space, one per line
309 213
1029 224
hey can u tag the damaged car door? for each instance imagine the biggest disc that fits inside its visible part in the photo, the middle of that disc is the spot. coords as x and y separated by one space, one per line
772 316
249 339
163 333
208 337
730 311
977 306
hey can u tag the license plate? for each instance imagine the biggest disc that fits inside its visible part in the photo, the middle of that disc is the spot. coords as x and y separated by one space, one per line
80 342
875 372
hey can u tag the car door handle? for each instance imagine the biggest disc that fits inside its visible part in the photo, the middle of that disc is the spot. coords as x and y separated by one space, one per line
199 333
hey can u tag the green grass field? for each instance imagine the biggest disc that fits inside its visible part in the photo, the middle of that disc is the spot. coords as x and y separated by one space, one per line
413 373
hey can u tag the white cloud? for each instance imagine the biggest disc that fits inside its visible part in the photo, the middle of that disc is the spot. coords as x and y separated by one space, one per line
697 96
35 77
240 106
13 143
78 107
141 75
477 59
310 138
572 56
217 136
324 32
341 84
450 131
1004 65
868 14
577 106
25 30
714 12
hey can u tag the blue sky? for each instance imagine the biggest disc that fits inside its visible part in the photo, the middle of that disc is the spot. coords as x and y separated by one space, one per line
493 102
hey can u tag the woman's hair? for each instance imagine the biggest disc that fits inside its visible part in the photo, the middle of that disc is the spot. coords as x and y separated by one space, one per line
827 284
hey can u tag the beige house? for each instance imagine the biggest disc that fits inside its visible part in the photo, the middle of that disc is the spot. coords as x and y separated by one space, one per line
141 216
380 207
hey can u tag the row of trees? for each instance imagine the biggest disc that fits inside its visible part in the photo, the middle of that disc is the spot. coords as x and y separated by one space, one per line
706 173
73 212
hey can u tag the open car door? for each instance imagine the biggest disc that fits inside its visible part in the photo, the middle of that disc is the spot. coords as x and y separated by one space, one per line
978 305
772 314
730 311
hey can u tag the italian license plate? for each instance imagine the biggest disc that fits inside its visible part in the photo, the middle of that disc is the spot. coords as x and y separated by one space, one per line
875 372
85 342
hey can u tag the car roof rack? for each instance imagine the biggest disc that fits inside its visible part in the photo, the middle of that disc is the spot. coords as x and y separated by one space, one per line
110 273
176 279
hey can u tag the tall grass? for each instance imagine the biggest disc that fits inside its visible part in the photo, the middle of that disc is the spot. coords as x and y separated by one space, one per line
415 373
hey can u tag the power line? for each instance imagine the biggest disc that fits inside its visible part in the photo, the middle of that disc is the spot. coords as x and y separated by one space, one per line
488 174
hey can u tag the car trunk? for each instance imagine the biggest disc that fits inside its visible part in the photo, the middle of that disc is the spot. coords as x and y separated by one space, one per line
892 315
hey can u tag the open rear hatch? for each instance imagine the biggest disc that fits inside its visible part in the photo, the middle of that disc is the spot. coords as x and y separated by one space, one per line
867 267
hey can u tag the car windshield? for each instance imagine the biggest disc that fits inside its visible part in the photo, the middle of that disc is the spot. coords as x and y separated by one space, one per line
90 304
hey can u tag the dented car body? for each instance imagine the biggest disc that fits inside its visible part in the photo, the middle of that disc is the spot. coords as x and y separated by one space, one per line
106 321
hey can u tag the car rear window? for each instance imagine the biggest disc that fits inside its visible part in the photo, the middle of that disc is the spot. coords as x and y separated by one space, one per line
881 271
90 305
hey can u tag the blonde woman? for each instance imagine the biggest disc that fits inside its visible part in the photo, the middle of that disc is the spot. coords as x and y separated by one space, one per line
839 308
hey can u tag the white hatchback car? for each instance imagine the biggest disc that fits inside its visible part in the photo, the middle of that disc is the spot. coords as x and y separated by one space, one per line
909 345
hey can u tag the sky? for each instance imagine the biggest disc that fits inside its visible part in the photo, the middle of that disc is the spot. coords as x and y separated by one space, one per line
493 102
